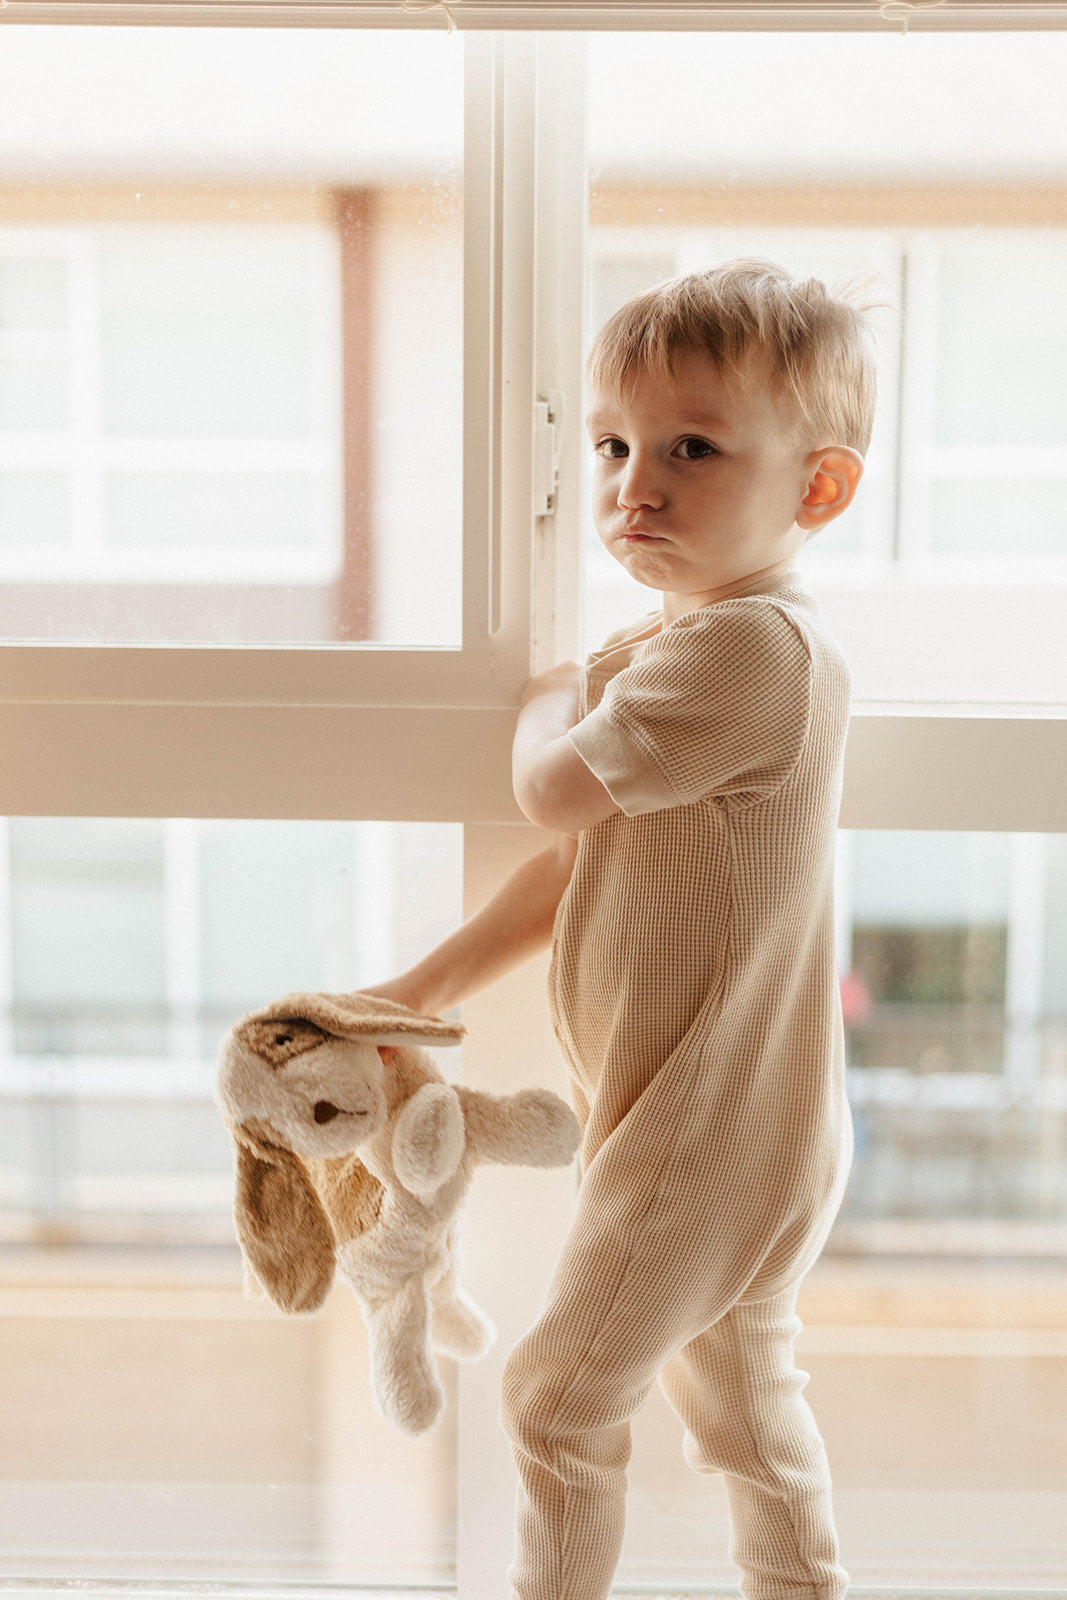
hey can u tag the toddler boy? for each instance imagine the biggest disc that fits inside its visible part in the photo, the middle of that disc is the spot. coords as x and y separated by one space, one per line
691 773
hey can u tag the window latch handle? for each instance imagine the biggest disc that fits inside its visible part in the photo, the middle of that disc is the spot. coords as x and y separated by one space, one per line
548 442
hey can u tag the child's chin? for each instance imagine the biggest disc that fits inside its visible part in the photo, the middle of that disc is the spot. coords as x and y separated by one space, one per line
643 566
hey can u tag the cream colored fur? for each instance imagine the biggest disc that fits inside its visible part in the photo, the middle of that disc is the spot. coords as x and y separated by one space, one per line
353 1156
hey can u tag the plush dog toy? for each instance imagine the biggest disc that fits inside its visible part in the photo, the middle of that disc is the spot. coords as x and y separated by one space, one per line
353 1154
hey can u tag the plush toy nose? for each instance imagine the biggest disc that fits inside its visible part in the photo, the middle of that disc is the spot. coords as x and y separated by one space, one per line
325 1112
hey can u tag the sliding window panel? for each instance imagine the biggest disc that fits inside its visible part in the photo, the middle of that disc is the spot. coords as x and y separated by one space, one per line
146 1393
231 337
122 284
934 183
937 1318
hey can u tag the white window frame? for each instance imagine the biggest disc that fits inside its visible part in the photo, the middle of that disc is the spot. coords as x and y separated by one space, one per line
398 735
874 16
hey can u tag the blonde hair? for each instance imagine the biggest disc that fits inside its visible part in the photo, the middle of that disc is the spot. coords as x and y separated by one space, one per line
816 341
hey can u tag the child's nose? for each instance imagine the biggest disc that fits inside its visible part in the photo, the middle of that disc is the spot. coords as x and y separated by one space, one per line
640 484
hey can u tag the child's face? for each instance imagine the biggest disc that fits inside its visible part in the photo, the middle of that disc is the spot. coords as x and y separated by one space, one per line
698 479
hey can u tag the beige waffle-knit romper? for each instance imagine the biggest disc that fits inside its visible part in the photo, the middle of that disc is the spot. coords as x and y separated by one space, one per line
694 993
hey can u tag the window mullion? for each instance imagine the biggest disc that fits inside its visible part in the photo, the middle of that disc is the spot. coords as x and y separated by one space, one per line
917 416
508 1263
483 355
541 126
561 257
182 892
87 490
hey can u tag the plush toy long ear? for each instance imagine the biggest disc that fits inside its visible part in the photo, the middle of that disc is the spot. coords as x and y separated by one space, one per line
284 1231
360 1016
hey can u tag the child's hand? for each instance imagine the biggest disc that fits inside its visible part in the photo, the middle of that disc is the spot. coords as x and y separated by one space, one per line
563 679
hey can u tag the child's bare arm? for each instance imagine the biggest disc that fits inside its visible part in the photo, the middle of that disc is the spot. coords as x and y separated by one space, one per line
553 785
514 926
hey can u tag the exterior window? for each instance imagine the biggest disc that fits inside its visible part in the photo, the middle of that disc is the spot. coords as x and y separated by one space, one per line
177 386
945 583
153 1395
954 1024
231 390
988 448
134 944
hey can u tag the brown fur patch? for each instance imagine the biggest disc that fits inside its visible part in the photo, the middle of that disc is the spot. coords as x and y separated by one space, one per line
279 1041
351 1195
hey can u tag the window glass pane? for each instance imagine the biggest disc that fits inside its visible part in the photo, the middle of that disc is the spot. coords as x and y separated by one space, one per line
301 882
34 294
34 506
927 983
250 512
231 288
1055 967
146 1394
33 394
936 182
212 338
87 930
988 517
1002 341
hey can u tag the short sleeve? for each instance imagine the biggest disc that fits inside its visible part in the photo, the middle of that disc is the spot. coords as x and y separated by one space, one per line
716 705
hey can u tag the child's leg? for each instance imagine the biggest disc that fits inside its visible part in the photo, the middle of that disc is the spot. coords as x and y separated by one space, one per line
739 1394
675 1221
569 1391
625 1296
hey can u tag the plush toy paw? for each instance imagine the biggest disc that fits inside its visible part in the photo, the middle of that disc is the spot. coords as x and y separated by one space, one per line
459 1329
428 1139
533 1128
545 1131
404 1379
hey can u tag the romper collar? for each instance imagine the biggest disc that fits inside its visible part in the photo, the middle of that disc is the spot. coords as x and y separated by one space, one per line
778 584
607 660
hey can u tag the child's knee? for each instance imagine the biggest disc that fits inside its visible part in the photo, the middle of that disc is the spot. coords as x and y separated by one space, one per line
530 1410
554 1412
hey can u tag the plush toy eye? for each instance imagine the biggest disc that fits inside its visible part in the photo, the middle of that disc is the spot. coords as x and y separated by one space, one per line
325 1112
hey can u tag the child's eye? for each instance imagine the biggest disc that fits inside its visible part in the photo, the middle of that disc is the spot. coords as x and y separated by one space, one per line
693 449
611 449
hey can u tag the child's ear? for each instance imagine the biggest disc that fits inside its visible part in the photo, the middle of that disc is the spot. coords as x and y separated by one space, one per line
832 480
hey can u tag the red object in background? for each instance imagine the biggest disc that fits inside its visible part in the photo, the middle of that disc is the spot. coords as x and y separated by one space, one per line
855 998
